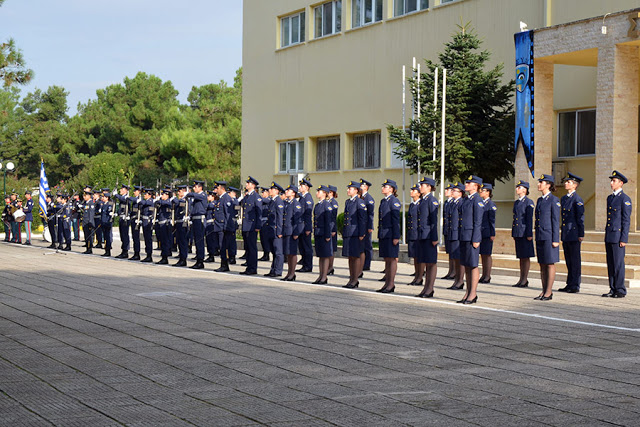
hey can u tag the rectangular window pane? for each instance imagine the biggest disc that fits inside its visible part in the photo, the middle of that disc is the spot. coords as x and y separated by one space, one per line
321 155
358 151
300 164
292 155
283 157
368 11
285 32
424 4
566 134
399 7
318 21
302 26
378 10
295 29
338 16
327 19
412 5
587 132
356 12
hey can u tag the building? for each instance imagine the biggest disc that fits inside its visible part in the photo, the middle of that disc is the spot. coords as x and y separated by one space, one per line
322 80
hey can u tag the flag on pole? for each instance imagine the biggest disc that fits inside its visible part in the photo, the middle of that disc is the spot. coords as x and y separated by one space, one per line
44 187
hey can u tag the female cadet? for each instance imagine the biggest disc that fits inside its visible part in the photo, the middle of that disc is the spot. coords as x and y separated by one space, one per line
457 191
470 236
353 233
264 240
291 230
163 226
412 230
389 233
333 195
547 235
210 236
427 244
446 225
322 218
488 231
522 231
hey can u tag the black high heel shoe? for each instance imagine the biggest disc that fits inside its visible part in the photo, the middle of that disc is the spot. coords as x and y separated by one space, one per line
471 301
539 297
549 298
424 295
388 291
456 288
352 286
462 301
330 273
315 282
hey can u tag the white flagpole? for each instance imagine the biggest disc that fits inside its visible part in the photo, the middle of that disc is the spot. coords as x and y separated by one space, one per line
419 114
435 108
413 111
442 151
404 163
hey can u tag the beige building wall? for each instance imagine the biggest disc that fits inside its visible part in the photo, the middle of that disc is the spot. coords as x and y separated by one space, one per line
351 82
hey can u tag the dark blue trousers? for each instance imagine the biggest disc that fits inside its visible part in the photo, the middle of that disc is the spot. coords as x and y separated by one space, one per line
251 249
264 241
233 246
135 235
211 239
197 227
615 267
368 251
574 263
107 234
306 250
147 232
123 227
163 234
224 242
99 232
182 241
278 256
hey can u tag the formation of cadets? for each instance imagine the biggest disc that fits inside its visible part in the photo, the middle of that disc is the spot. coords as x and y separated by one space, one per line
287 221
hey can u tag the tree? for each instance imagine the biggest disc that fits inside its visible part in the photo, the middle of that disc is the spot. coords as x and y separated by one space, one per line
479 117
12 66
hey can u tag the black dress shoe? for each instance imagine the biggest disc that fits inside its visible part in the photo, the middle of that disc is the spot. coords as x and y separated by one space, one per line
573 291
610 294
618 295
244 264
360 276
303 270
388 291
123 255
147 259
88 252
447 277
462 301
60 246
51 246
384 279
549 298
414 283
135 257
522 285
486 280
470 301
232 261
163 261
249 272
351 286
565 289
211 258
455 288
198 265
244 256
330 273
106 253
539 298
181 263
222 269
68 248
425 295
98 246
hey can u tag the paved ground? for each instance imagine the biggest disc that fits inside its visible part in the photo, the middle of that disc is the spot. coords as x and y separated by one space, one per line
89 341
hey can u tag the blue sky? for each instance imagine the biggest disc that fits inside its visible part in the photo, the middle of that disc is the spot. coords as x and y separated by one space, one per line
84 45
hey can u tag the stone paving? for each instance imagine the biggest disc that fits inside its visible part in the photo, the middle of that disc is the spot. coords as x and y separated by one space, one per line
91 341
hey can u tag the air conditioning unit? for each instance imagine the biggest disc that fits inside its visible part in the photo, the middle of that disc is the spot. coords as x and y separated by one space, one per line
559 171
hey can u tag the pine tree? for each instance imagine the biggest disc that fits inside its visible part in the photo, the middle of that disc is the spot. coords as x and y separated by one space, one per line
480 118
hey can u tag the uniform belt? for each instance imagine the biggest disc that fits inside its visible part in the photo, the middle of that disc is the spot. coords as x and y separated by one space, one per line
122 216
163 222
198 218
210 221
179 220
147 217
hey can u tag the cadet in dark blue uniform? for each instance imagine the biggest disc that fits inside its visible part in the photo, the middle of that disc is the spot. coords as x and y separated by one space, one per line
427 245
322 226
333 199
88 212
616 234
470 211
181 223
371 206
304 242
107 222
98 218
210 235
446 227
354 233
163 225
147 213
389 233
292 227
264 242
233 243
135 213
547 235
572 232
123 224
198 211
64 224
51 219
274 224
457 192
488 232
223 224
27 208
412 230
522 231
251 225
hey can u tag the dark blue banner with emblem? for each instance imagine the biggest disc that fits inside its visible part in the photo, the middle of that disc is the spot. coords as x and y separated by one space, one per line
524 95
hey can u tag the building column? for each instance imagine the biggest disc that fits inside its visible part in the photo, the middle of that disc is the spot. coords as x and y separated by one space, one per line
543 117
616 125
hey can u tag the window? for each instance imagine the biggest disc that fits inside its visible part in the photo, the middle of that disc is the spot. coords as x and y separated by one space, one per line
576 133
292 28
328 18
366 150
402 7
328 154
291 156
364 12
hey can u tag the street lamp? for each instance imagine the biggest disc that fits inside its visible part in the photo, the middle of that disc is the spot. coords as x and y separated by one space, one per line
9 166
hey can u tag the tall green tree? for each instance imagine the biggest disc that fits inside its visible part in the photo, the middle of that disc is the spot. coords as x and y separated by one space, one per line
480 118
13 69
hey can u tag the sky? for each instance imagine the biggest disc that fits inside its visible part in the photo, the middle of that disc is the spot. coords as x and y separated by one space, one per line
85 45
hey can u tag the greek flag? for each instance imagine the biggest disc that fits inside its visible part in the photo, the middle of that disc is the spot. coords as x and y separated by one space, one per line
44 187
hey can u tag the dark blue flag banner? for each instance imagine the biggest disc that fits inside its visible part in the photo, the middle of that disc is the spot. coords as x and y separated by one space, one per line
524 95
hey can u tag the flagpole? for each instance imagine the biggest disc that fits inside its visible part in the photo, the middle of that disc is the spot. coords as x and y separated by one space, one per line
404 162
442 149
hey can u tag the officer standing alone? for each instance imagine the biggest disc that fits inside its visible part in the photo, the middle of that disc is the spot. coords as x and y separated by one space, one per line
616 234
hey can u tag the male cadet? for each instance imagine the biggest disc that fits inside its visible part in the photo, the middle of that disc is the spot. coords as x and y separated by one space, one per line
180 212
147 213
88 221
616 234
572 232
210 235
223 224
233 244
16 235
106 219
163 225
251 224
446 230
6 212
64 224
27 208
135 215
98 218
123 225
198 210
304 241
275 223
75 212
370 204
266 201
51 220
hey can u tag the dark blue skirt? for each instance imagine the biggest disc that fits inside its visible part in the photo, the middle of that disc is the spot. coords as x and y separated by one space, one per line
454 249
547 254
334 242
524 248
427 253
486 247
352 246
289 245
469 255
411 246
447 246
388 249
324 249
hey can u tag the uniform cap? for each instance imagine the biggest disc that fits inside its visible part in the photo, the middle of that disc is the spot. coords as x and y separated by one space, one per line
616 174
427 180
292 188
524 184
221 183
333 188
305 182
149 190
326 189
458 186
125 186
474 179
364 181
416 187
547 177
234 189
253 180
354 184
182 187
264 188
572 177
276 186
138 187
487 187
27 192
200 183
390 183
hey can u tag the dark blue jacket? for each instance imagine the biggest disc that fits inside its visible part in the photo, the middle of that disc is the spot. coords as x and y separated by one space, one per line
224 214
292 218
179 210
389 218
123 209
522 225
618 218
148 211
251 212
572 217
371 206
446 218
164 210
428 218
105 214
454 219
470 210
306 203
322 220
88 213
27 208
336 207
548 218
197 203
275 220
355 218
265 210
489 219
412 221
